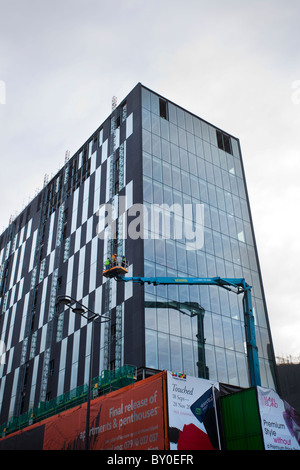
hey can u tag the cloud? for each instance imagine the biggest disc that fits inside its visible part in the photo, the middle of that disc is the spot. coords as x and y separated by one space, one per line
232 63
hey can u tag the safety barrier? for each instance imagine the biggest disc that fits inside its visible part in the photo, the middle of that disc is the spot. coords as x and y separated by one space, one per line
107 381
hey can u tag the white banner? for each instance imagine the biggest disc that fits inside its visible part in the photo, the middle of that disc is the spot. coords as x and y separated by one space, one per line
192 423
279 421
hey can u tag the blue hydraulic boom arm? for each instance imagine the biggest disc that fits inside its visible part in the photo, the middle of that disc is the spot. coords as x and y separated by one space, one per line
238 285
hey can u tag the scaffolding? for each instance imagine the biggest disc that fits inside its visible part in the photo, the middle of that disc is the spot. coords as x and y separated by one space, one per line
106 382
29 340
115 243
54 284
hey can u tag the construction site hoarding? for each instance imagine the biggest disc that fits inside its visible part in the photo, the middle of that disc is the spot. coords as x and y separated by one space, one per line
132 418
241 421
169 411
258 419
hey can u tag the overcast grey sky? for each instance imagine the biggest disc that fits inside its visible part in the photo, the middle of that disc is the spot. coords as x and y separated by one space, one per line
234 63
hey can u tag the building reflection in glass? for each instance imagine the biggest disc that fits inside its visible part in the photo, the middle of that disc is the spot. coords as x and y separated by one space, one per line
191 309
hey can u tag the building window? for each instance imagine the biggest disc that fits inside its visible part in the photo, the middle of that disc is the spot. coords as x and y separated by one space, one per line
124 112
224 142
163 109
113 333
66 248
51 368
28 215
59 283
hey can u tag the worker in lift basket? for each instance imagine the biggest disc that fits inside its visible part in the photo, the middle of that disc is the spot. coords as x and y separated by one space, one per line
114 259
107 263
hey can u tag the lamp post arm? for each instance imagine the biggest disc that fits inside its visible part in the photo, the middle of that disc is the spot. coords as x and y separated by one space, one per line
68 301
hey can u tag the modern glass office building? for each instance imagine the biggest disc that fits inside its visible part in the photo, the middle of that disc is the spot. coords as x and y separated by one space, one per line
148 152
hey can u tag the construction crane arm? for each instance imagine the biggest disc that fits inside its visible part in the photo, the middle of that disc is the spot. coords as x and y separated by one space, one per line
237 285
226 283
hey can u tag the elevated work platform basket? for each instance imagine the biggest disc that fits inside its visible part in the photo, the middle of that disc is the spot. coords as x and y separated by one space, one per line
115 267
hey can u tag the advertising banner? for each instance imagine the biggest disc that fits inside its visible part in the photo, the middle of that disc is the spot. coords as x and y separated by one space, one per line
192 422
131 418
279 421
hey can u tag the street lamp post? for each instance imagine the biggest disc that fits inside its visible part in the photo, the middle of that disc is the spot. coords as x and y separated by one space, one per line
90 316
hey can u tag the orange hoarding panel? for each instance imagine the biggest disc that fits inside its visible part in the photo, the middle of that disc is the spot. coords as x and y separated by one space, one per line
62 432
131 418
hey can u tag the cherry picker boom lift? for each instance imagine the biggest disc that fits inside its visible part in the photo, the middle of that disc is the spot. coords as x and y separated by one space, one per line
237 285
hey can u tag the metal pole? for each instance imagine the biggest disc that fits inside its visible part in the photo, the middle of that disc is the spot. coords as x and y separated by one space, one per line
88 403
82 310
216 415
252 350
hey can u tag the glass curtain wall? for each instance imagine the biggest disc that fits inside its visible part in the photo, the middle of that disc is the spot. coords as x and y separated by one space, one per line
198 330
